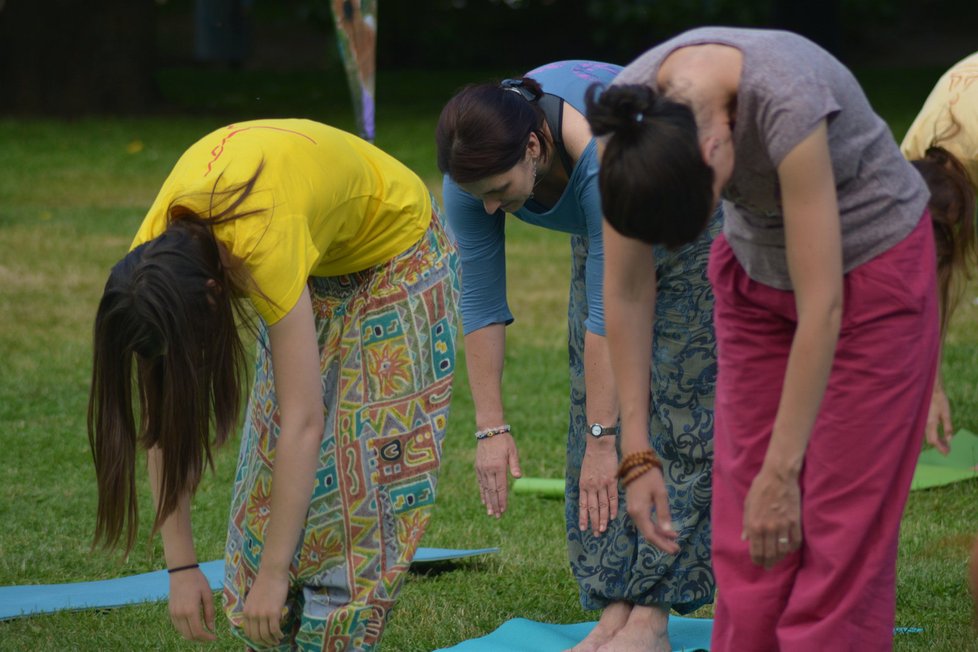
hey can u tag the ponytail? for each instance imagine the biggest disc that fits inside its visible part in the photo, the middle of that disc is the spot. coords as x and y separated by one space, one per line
655 185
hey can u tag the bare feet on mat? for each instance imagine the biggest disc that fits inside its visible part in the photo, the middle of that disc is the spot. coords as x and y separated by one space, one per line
647 630
613 618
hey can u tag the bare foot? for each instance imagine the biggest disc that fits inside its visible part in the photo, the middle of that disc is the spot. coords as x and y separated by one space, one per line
647 630
613 618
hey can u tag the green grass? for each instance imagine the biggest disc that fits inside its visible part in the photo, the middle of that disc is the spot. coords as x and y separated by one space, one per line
72 195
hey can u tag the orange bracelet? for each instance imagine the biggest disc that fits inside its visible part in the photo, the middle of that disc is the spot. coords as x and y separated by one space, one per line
637 471
638 458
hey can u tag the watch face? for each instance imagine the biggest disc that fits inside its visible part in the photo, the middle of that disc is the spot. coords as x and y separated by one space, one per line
596 429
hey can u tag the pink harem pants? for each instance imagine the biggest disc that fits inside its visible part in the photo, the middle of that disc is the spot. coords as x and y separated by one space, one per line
838 592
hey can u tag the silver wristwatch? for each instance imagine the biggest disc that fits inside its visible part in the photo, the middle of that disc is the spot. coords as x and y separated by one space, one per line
597 430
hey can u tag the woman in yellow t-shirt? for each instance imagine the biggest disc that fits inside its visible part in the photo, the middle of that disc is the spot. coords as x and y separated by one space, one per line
341 251
942 143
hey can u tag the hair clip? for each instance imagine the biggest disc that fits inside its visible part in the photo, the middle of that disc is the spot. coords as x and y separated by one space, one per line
516 85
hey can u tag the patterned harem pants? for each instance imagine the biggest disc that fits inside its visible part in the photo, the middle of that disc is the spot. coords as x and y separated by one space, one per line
387 347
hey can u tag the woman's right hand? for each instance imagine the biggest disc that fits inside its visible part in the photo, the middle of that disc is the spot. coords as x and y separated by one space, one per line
493 456
190 594
644 494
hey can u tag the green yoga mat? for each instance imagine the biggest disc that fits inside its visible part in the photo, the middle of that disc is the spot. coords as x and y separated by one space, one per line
546 487
936 470
933 469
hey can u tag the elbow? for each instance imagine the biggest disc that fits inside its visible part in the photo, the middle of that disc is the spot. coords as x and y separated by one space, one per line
832 312
821 314
307 432
314 428
836 307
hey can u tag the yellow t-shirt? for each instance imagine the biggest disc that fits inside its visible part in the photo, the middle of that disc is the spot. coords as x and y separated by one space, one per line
953 100
329 203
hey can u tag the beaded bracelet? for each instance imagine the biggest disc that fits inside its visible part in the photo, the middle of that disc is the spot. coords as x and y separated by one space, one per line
636 464
631 460
182 568
636 472
491 432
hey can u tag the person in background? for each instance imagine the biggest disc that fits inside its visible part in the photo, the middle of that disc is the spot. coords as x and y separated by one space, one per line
340 251
826 320
524 147
942 143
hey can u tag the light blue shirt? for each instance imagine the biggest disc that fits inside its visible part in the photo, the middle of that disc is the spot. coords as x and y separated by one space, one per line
481 237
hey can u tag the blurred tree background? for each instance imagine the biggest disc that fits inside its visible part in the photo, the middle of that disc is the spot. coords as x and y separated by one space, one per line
78 57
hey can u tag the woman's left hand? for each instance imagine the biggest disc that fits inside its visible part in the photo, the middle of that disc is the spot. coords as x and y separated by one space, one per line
264 607
772 517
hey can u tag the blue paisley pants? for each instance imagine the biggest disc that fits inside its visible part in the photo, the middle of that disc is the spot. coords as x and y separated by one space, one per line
620 564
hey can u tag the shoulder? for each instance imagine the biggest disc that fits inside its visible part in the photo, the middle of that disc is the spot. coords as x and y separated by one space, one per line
560 76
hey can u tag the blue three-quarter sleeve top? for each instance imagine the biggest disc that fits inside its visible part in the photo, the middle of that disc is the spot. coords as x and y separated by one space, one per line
480 236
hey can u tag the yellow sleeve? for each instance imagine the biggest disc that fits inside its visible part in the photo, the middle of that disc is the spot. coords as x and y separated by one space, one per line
279 253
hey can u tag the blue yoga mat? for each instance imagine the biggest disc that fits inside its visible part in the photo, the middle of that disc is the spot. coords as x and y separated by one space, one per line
521 635
17 601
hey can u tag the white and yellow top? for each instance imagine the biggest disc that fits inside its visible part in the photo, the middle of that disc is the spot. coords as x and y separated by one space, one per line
949 118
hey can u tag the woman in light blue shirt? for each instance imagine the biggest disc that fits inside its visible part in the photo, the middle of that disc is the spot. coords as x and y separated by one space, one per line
524 147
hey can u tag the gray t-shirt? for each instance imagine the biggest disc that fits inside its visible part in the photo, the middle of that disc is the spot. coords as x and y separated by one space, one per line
788 85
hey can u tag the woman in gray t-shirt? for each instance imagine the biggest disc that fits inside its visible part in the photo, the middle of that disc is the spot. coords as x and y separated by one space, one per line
826 322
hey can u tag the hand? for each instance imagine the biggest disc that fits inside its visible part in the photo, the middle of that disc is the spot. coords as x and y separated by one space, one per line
598 485
264 607
190 593
939 431
643 494
493 456
772 517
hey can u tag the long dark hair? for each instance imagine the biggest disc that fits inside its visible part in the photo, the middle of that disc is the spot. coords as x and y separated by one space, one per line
484 129
168 309
655 185
952 209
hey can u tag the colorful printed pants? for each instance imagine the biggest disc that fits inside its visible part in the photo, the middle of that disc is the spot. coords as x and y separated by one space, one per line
621 564
387 345
838 591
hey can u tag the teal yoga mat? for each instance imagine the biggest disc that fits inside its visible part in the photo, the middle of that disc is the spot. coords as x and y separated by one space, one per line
27 600
521 635
935 470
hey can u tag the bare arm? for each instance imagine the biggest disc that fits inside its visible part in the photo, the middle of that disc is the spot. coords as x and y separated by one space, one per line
598 498
298 386
190 592
772 517
484 353
629 295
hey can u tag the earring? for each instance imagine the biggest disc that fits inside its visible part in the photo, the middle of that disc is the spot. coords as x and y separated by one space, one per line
536 179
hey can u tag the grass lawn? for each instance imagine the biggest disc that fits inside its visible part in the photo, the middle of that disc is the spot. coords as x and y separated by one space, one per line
71 197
